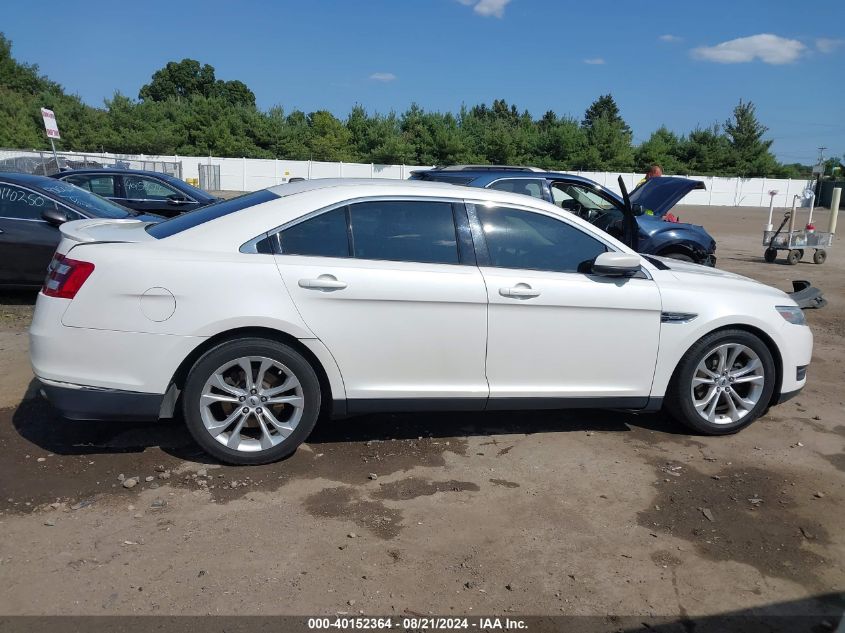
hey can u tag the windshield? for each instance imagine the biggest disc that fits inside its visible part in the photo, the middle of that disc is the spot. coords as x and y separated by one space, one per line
87 201
211 212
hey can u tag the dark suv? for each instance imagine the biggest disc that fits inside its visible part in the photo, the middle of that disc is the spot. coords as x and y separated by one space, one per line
144 191
650 203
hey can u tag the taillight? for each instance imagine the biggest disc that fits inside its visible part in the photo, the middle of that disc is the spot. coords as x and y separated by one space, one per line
65 277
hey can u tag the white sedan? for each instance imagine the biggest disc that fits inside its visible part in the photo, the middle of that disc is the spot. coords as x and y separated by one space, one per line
327 298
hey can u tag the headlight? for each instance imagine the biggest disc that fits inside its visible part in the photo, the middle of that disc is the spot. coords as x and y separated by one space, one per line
793 314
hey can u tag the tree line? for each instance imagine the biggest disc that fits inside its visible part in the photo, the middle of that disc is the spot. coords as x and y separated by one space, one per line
186 110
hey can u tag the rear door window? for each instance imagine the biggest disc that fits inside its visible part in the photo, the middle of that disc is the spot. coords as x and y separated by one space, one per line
405 231
325 235
101 185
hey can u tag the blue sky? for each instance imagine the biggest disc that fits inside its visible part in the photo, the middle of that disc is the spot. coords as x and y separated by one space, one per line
678 63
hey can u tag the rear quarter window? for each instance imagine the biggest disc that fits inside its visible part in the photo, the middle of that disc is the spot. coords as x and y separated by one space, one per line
211 212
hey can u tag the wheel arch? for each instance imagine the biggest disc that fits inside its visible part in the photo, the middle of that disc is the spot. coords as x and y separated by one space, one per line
765 338
683 248
177 381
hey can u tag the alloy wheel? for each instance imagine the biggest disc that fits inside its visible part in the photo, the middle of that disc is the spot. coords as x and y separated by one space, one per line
252 403
727 383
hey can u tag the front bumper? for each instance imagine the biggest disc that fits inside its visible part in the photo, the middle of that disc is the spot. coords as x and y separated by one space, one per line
80 402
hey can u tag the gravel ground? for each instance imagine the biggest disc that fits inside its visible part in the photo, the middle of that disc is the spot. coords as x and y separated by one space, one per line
583 512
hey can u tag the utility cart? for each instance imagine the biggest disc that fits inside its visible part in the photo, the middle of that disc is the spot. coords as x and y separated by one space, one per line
797 241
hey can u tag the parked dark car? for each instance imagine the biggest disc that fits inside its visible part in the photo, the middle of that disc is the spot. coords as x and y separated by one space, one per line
650 203
145 191
31 210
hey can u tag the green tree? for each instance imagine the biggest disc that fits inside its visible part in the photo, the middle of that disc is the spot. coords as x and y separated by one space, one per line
749 151
330 140
186 110
189 78
662 148
604 108
706 152
234 92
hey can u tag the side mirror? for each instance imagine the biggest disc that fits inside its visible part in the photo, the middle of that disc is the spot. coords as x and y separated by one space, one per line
637 209
613 264
54 216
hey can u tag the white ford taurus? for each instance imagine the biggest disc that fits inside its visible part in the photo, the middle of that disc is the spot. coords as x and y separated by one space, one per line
256 315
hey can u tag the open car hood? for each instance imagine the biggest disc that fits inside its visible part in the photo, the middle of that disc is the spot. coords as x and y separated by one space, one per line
659 195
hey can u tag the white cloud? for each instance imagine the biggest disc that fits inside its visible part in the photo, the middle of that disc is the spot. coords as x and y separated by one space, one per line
383 77
595 61
487 8
768 48
828 44
670 38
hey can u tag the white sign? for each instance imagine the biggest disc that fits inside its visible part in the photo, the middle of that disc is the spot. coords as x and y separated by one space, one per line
50 123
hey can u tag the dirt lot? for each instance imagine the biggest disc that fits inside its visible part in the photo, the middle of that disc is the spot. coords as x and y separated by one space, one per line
528 513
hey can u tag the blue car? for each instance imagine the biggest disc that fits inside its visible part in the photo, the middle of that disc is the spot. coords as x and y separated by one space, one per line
649 203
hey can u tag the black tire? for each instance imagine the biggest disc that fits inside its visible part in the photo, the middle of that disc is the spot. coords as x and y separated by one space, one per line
819 256
681 257
794 256
210 362
679 398
770 255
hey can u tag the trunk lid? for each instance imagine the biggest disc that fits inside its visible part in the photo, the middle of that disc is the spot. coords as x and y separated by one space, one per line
659 195
105 230
101 230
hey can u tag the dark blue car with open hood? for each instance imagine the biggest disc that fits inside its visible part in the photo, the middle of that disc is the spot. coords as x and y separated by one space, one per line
647 207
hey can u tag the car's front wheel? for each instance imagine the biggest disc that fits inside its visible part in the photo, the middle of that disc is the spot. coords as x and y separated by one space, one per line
251 401
723 383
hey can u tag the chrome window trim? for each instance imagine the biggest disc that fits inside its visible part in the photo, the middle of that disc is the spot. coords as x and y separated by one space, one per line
250 246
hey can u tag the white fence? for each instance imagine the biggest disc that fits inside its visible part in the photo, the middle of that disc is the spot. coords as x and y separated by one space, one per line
251 174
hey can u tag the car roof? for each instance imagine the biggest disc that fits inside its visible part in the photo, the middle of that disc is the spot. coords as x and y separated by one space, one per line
317 184
296 199
26 179
112 170
500 171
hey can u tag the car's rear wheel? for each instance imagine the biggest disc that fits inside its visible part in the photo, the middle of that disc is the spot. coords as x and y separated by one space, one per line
251 401
723 383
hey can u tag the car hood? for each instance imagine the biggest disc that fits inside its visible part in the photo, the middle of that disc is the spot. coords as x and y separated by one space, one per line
659 195
680 267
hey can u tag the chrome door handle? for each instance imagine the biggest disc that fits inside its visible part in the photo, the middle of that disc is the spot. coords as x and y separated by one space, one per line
323 282
519 291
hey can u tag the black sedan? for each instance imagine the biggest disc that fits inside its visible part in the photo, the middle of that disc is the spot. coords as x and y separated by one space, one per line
145 191
31 210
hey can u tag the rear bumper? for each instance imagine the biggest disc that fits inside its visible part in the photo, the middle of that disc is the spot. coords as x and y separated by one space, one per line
79 402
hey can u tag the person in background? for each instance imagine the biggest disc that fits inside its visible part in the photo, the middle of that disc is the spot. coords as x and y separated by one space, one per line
655 171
